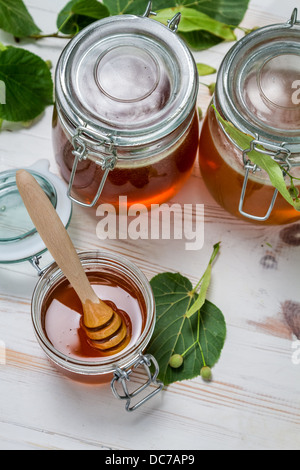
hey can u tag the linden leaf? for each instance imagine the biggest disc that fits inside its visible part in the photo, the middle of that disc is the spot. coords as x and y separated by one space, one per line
204 284
122 7
230 12
77 14
28 84
193 20
204 69
184 342
15 19
174 333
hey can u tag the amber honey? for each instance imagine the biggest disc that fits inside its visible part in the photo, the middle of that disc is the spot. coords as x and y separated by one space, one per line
223 173
63 314
152 182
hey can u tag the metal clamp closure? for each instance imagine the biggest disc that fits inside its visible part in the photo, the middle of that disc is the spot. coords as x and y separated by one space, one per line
280 154
294 21
149 11
35 262
123 377
80 141
174 22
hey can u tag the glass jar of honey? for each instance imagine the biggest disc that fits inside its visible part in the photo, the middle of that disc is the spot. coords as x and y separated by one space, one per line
56 316
125 121
56 310
256 92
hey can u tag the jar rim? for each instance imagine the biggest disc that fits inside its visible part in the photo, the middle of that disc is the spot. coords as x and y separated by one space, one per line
52 275
136 30
31 245
235 70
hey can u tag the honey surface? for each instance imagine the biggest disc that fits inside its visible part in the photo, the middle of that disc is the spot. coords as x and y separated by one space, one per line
63 316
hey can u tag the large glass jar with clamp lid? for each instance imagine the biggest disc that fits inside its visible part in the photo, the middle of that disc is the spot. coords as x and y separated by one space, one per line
125 121
258 92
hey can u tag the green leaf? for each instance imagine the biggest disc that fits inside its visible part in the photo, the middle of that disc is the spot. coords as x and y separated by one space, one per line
15 19
205 281
266 162
203 334
193 20
28 84
200 40
122 7
230 12
204 69
263 161
78 14
211 87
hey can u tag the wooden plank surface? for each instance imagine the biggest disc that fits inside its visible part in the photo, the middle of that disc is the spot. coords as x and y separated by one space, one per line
253 401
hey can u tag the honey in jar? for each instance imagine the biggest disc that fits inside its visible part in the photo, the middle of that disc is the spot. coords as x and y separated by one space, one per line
125 121
56 315
63 314
254 92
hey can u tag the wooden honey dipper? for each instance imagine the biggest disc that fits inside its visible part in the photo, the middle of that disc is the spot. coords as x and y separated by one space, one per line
104 327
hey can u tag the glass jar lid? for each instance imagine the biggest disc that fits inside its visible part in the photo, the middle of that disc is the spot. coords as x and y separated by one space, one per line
15 222
19 240
127 76
256 83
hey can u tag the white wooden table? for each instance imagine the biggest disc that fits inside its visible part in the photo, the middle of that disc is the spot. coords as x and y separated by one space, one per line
253 401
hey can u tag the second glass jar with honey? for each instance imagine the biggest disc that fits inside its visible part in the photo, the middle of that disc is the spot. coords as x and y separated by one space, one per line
256 94
125 121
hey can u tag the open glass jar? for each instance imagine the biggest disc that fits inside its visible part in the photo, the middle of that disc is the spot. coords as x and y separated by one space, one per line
55 315
57 326
125 120
256 93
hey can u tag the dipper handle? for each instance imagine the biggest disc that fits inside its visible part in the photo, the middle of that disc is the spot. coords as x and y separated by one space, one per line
54 235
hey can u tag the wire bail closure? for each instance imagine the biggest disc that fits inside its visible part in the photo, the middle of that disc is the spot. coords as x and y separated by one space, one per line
280 154
123 377
294 18
149 11
82 138
172 24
